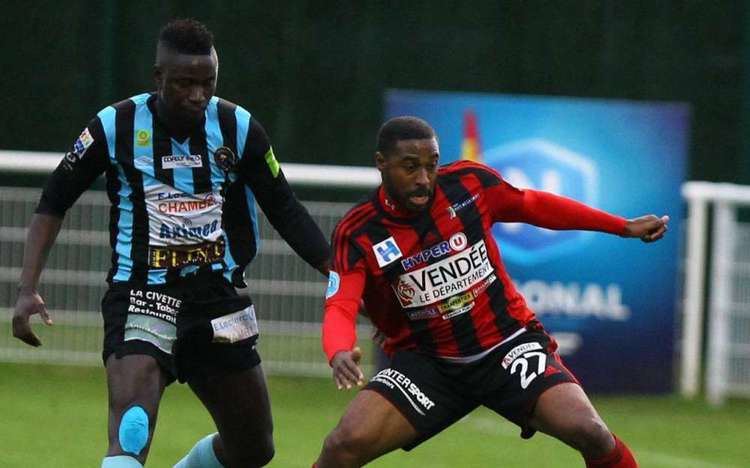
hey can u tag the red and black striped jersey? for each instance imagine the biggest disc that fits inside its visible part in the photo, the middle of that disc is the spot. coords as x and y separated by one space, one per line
435 281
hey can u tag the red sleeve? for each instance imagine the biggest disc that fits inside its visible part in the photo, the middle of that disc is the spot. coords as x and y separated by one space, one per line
342 304
550 211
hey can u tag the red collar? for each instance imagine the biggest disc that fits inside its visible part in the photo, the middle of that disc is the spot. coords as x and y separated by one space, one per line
391 207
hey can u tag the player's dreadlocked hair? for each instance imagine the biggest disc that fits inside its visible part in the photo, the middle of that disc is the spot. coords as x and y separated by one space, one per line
187 36
402 128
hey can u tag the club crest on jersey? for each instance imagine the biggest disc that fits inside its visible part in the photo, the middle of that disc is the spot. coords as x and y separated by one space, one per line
225 159
386 252
173 161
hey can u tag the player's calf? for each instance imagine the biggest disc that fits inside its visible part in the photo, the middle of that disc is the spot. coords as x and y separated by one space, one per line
619 457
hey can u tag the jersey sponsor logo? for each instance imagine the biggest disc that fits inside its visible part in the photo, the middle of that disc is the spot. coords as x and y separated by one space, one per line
518 351
180 218
453 209
235 327
456 305
142 137
456 274
183 206
386 252
184 255
186 231
481 287
456 243
82 143
453 306
173 161
80 146
154 304
422 314
394 379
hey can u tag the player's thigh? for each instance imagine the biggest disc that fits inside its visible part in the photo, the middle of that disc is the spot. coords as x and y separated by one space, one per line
420 390
135 385
513 378
239 404
372 426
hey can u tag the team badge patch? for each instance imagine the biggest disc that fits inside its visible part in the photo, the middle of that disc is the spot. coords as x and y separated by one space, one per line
225 159
386 252
333 284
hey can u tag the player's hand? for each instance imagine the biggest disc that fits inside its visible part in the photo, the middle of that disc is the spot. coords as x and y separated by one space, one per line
346 371
28 304
648 228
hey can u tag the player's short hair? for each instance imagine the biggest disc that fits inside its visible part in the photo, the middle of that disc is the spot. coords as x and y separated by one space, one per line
405 127
187 36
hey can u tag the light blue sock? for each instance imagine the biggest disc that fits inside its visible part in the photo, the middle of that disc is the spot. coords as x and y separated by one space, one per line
201 455
121 461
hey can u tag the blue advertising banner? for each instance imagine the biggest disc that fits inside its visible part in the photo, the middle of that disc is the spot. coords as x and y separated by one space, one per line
610 302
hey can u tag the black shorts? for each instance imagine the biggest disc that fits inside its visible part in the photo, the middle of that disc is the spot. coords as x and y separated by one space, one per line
195 328
433 393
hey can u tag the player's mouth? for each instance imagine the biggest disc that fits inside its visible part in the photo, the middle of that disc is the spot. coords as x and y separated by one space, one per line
419 200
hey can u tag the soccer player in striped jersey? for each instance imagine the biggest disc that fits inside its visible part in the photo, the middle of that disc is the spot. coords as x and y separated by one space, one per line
421 257
184 169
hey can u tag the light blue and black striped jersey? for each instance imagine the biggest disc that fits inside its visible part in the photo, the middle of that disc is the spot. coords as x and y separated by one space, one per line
182 206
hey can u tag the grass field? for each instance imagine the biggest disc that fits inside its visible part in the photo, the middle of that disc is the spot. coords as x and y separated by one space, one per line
54 416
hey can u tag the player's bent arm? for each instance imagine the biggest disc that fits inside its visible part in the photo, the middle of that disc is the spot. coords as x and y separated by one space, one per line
41 235
287 215
339 335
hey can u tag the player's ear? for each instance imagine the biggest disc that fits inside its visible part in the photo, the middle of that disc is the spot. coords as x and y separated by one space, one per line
379 160
158 76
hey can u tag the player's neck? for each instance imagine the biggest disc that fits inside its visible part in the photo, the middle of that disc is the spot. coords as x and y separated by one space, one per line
391 206
177 129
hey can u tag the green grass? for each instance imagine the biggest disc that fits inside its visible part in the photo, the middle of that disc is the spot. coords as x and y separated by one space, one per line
55 417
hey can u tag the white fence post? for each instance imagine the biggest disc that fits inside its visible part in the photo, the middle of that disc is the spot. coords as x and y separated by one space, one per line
692 325
721 301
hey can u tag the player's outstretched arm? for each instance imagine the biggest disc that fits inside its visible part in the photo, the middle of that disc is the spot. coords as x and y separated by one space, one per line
42 233
346 370
648 228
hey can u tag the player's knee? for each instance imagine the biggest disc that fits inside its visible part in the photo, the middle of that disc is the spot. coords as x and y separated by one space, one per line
133 432
346 443
592 437
256 452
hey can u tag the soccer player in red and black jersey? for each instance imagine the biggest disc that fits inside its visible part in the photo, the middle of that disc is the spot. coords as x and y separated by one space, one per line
421 257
